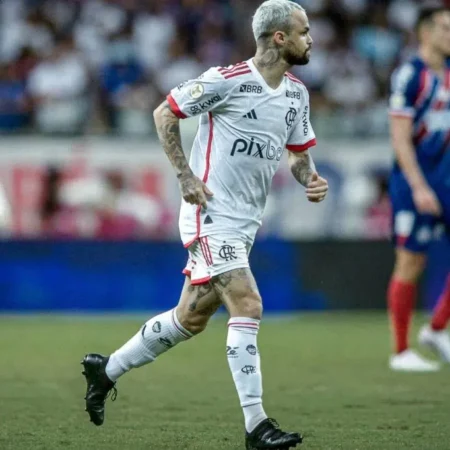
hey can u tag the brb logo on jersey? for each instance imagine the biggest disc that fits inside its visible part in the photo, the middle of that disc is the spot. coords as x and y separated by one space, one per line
251 89
200 107
257 150
294 94
290 117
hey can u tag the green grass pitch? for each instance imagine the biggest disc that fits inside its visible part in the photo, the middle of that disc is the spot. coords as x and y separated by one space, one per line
325 375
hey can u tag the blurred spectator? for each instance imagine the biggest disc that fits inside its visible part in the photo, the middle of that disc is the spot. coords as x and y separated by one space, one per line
34 31
106 206
357 43
5 214
59 88
378 216
128 98
15 107
183 66
154 30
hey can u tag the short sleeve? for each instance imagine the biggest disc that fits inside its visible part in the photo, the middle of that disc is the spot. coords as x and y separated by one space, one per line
302 136
404 88
205 93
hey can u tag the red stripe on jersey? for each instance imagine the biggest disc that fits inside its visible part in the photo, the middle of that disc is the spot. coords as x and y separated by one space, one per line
421 133
233 68
447 80
175 108
205 250
292 78
425 84
302 147
236 74
205 176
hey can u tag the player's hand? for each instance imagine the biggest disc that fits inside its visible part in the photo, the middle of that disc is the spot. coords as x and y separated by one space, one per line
317 188
193 190
426 201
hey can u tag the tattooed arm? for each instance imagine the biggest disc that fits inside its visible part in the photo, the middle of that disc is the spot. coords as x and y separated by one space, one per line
302 166
193 190
304 171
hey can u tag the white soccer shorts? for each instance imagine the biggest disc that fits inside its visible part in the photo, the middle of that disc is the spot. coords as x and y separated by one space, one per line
210 256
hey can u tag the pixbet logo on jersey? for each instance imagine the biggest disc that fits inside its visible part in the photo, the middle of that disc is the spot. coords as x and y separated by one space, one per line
257 150
200 107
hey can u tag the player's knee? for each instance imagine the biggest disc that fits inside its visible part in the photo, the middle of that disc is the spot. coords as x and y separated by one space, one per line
409 266
249 306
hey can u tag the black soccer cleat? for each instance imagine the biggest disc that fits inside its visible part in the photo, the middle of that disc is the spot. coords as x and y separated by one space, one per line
267 435
99 386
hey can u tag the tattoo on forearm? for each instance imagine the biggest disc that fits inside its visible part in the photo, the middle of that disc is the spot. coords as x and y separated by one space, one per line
302 170
168 130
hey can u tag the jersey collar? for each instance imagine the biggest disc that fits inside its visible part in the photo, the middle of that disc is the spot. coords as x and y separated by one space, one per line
261 79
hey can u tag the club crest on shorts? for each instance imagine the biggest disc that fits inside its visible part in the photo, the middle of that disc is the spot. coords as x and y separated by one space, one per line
227 252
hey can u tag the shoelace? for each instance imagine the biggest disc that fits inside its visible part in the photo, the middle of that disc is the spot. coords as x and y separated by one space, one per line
273 422
113 395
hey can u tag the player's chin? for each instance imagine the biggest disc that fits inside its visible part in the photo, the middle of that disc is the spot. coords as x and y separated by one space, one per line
303 60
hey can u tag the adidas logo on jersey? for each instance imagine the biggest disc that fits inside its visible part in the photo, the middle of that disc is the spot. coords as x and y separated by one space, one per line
208 220
250 115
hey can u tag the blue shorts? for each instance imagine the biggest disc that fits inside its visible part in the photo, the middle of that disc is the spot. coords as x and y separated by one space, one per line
412 230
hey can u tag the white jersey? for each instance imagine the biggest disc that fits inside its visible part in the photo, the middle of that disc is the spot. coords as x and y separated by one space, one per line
245 125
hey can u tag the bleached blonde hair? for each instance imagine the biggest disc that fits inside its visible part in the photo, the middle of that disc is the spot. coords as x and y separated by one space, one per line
273 15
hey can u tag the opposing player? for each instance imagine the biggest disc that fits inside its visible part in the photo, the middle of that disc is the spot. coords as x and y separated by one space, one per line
420 184
249 113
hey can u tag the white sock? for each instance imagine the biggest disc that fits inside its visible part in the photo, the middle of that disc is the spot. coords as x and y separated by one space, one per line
245 366
156 336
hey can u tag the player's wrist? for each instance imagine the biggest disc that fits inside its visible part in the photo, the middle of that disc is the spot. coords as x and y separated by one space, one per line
419 185
183 174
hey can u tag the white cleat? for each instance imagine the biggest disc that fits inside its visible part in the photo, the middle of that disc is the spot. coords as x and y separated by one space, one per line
438 341
410 361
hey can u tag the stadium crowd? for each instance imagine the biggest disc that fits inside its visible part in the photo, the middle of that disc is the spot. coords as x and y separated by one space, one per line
101 66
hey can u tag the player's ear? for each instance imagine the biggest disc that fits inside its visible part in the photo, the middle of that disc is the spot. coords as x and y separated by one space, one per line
279 37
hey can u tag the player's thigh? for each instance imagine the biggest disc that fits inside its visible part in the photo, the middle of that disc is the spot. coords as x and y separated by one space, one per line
239 293
409 265
197 304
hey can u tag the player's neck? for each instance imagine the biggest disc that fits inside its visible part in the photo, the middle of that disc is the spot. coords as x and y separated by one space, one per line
434 60
271 66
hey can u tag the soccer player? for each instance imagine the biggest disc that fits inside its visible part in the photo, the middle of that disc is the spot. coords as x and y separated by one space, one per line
249 113
420 184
